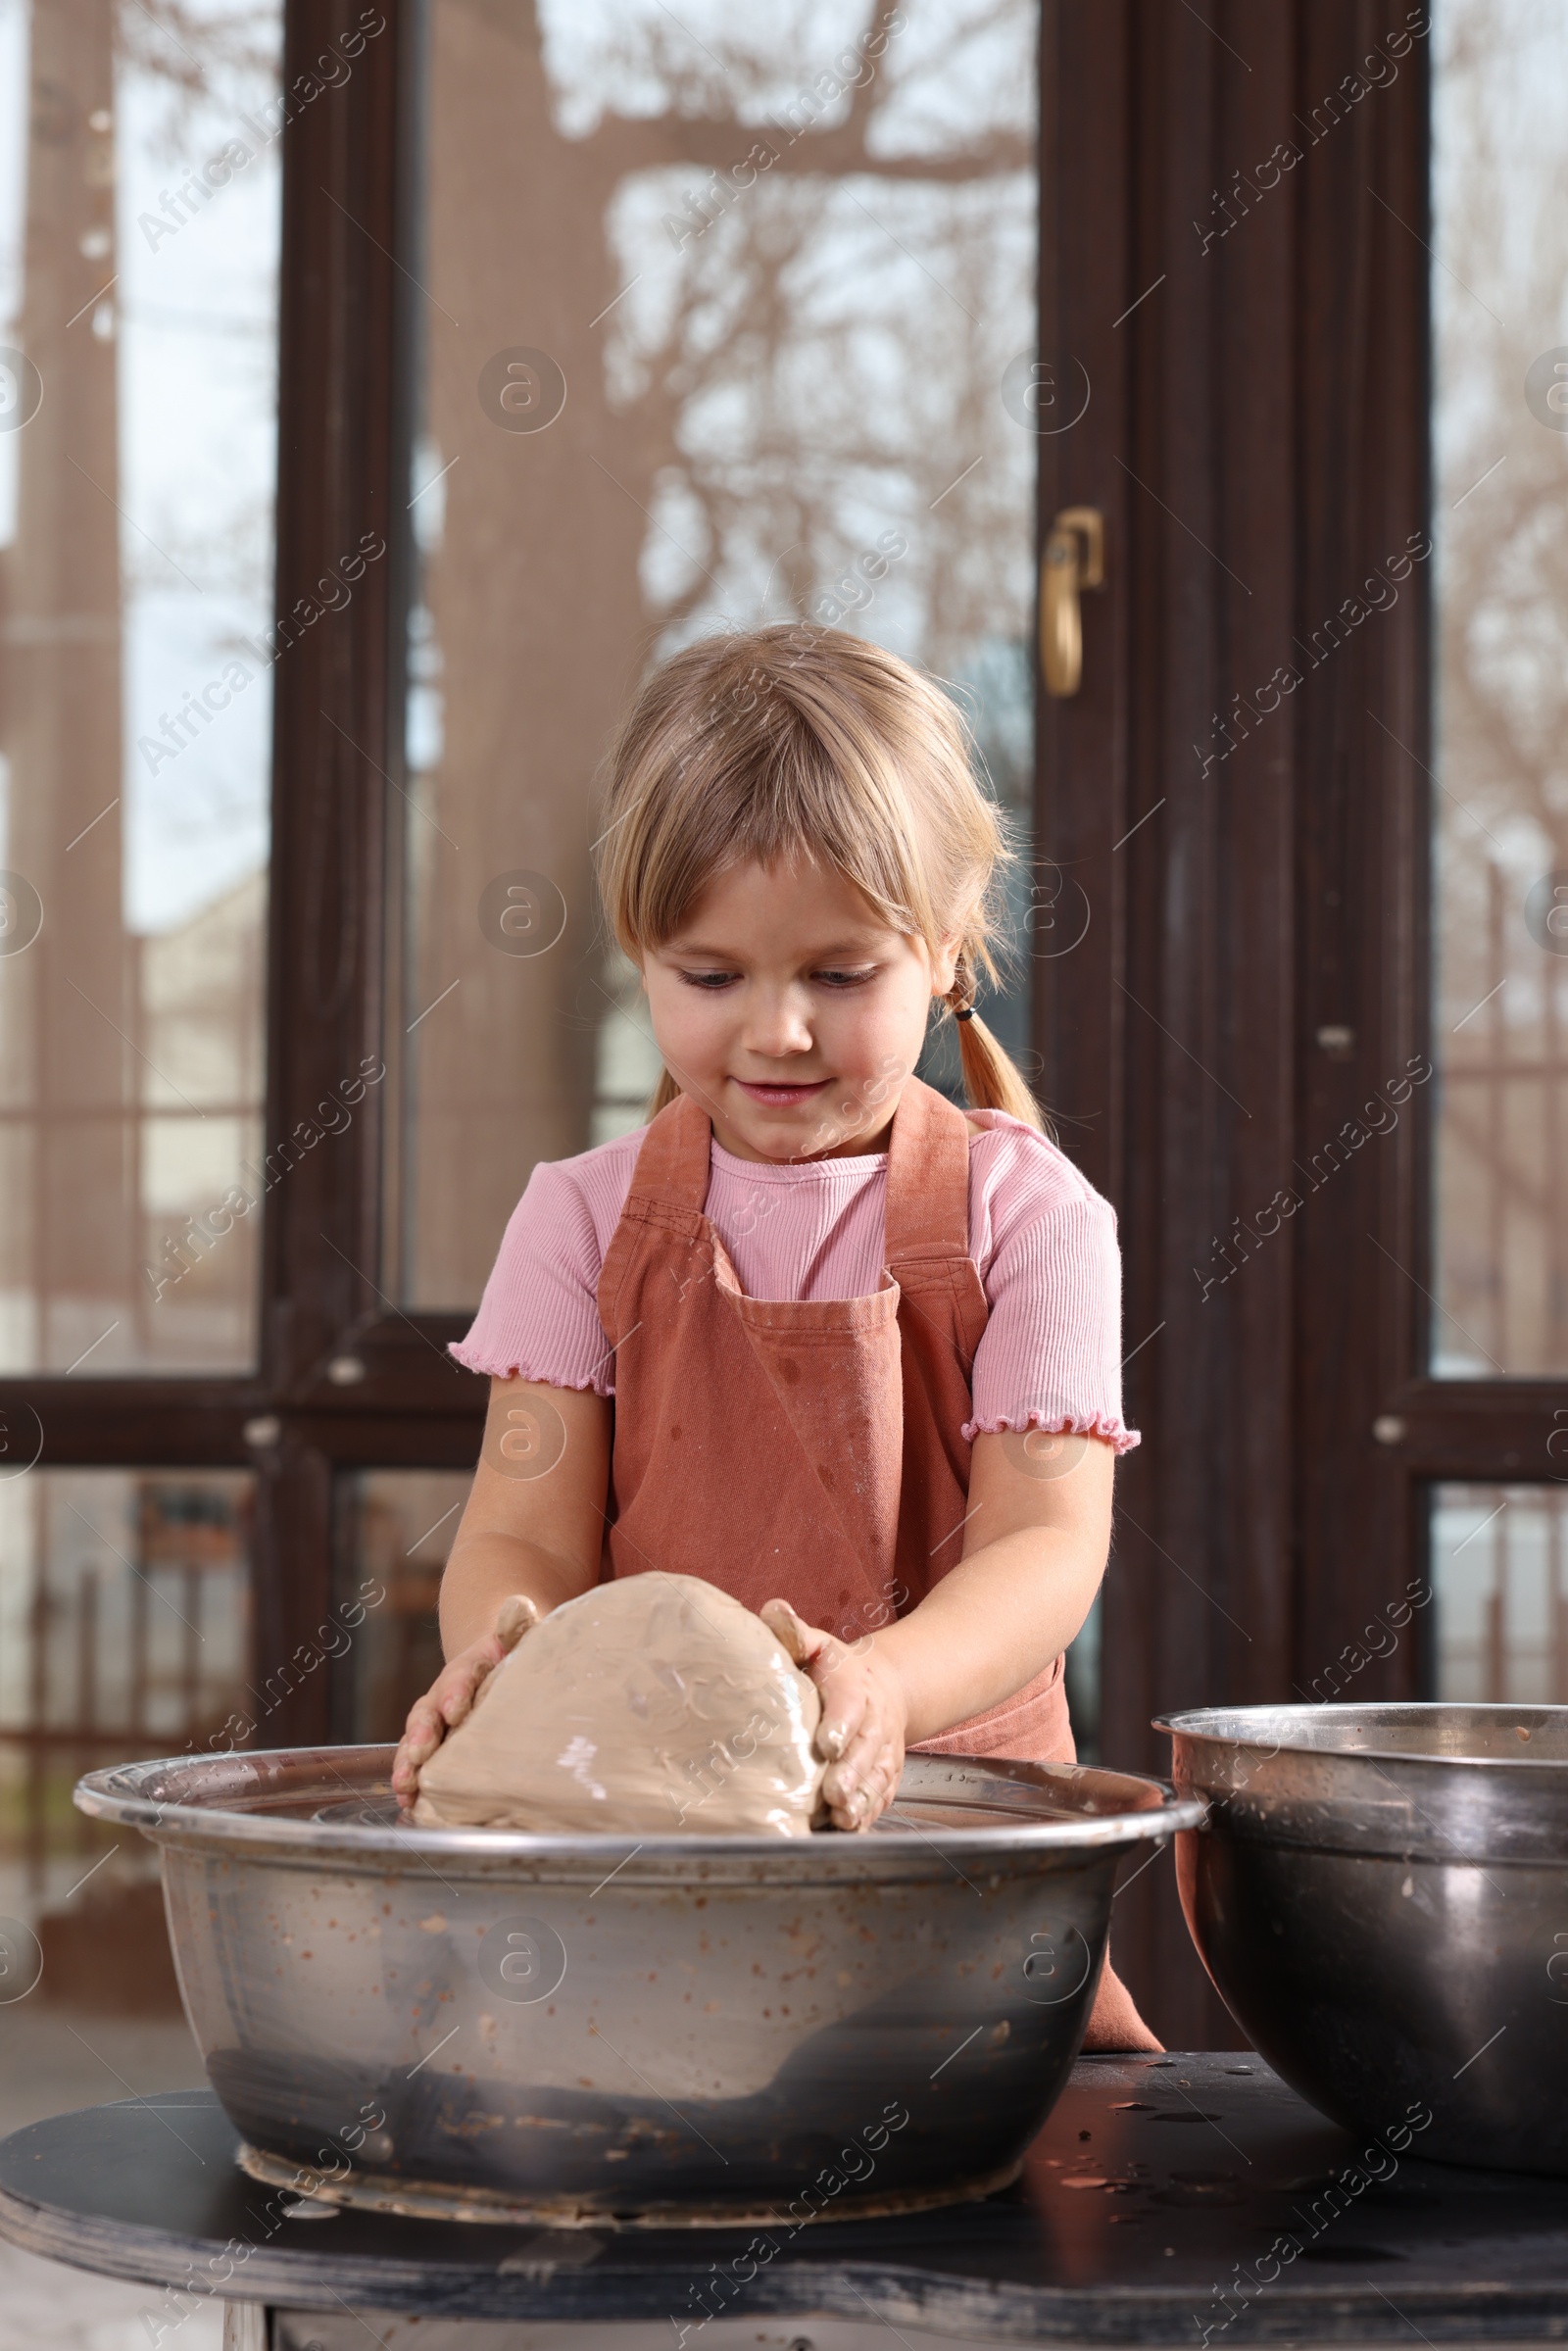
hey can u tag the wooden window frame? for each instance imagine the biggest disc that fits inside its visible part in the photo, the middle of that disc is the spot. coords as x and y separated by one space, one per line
1269 392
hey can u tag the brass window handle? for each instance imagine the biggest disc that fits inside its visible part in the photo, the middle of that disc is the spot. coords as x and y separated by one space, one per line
1074 558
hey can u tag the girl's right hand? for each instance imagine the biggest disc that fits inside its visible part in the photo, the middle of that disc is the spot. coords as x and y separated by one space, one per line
452 1695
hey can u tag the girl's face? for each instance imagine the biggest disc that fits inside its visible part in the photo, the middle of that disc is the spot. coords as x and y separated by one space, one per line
789 1010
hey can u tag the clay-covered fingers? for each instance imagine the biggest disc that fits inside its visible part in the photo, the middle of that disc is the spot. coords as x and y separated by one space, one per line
452 1695
515 1616
803 1640
880 1784
455 1690
445 1704
851 1693
422 1734
823 1656
860 1734
860 1784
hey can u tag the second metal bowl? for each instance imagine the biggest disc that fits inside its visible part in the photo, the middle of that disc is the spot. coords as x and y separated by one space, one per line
1380 1894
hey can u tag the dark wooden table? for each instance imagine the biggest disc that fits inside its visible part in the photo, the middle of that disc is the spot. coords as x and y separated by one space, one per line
1184 2199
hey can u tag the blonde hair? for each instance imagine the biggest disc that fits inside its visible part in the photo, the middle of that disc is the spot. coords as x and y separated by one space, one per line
795 742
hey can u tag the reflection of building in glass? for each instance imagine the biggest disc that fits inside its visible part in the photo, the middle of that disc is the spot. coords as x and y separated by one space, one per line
1499 1565
125 1631
756 406
202 1001
397 1529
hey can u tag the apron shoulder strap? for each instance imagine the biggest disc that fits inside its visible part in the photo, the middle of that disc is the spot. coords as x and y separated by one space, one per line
674 1161
927 1211
927 1237
667 1192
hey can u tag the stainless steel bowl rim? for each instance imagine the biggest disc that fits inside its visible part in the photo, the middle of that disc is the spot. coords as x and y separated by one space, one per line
1265 1727
1440 1801
124 1794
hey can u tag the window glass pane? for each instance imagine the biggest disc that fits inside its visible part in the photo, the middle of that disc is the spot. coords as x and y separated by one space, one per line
138 351
1500 1570
396 1529
124 1630
754 372
1499 293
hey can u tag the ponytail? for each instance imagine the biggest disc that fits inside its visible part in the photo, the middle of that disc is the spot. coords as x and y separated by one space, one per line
991 1078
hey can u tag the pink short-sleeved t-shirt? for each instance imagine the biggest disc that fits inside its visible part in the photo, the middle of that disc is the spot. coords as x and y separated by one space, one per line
1043 1240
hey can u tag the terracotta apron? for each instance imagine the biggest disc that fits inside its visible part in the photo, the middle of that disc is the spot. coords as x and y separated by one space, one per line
810 1450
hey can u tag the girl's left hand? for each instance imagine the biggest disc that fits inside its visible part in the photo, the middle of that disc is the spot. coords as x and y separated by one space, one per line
865 1711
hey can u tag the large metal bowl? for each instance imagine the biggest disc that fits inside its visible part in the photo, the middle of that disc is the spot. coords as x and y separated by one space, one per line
1381 1896
596 2031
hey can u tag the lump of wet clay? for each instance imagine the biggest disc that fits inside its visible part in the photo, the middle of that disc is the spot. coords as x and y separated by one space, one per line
654 1702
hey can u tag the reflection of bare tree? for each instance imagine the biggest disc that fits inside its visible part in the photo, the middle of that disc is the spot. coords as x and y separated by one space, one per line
1502 504
209 63
751 404
830 346
773 301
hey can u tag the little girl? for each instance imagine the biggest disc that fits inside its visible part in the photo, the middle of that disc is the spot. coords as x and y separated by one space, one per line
812 1333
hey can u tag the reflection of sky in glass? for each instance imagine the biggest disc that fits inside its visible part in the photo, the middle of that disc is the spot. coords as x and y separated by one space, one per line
955 72
1496 191
835 342
1499 301
195 314
197 329
833 398
1497 150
